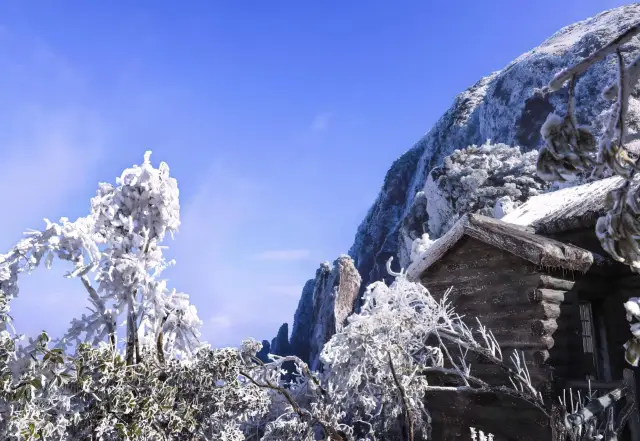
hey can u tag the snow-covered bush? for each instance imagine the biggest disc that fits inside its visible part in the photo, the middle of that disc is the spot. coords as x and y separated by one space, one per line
96 395
491 179
420 245
376 368
479 435
473 179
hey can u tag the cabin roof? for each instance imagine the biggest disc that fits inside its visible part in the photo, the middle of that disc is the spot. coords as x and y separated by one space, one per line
566 209
515 239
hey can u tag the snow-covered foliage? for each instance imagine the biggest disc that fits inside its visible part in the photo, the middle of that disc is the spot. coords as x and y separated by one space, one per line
479 435
117 254
96 395
490 179
632 347
473 179
387 351
420 245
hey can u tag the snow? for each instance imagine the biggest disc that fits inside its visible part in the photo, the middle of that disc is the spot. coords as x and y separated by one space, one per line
572 202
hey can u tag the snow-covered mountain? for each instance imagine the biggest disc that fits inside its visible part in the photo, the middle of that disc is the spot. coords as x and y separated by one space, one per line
507 107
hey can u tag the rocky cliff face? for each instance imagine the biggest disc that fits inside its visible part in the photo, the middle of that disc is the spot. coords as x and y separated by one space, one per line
325 304
508 107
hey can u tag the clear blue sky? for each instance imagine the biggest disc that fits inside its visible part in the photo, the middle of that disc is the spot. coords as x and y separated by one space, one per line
279 119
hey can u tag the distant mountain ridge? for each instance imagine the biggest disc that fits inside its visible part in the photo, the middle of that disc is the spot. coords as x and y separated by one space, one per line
507 107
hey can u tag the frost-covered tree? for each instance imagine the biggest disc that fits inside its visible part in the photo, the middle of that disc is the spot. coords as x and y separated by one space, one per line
389 350
164 384
491 179
117 254
571 150
377 370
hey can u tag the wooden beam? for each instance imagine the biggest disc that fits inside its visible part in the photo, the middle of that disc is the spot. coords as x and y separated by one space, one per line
547 295
555 283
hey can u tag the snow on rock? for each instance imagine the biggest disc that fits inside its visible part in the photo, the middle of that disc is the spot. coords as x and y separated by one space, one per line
503 206
420 245
490 180
333 303
507 107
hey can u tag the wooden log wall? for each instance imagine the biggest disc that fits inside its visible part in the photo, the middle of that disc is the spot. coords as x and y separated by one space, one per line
560 323
534 310
527 310
530 309
508 295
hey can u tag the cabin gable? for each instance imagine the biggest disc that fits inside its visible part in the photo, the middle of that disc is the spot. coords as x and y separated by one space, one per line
496 287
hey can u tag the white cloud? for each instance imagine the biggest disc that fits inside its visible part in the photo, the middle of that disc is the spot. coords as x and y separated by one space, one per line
283 255
285 290
321 122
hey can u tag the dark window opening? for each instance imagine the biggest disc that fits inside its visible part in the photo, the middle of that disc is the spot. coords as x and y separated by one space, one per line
589 342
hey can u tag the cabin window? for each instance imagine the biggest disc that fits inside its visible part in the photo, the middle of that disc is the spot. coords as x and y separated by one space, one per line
588 341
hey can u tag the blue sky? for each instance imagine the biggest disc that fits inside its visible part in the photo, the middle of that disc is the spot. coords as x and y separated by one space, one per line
279 120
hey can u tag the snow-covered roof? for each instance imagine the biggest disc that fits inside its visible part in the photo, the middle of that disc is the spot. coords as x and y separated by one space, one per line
517 240
566 209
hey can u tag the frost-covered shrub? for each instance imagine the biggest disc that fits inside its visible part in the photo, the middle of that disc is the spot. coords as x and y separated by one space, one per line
491 179
96 395
420 245
479 435
376 368
474 178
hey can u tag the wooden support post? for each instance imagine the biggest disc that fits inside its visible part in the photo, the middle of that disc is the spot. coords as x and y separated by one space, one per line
634 420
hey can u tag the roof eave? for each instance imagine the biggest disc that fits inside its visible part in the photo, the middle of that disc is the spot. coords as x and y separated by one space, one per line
517 240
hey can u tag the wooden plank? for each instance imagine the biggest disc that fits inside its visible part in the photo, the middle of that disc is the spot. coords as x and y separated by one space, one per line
634 420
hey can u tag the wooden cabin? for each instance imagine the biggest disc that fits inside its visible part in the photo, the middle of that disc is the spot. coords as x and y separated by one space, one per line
540 281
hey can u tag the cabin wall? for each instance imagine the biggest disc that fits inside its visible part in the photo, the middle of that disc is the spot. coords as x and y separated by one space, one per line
527 308
513 298
607 287
536 310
